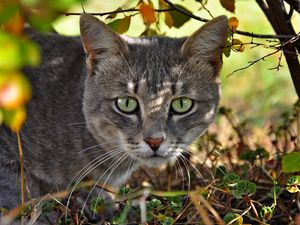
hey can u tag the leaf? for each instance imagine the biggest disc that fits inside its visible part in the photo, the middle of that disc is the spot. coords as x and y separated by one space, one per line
1 117
169 20
227 49
233 216
238 45
120 25
42 22
15 25
228 5
233 23
62 5
179 18
148 13
31 53
14 90
8 10
14 119
10 54
290 162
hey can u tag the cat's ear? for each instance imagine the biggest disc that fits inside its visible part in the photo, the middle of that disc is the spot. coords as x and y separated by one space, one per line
208 42
98 39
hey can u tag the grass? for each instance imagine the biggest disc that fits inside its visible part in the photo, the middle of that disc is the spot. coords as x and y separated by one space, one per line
232 177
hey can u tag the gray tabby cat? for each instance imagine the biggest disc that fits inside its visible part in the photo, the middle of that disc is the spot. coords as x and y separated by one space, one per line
105 104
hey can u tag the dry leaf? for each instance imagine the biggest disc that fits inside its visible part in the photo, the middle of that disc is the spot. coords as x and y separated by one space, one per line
228 4
233 23
238 45
148 13
169 20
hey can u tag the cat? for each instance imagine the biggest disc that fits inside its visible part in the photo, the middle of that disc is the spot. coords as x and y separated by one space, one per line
104 104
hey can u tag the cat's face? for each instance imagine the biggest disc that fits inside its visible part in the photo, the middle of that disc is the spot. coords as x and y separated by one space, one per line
150 98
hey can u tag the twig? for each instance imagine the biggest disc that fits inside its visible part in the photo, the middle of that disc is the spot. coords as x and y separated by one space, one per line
174 7
116 11
203 6
278 65
249 34
294 4
201 210
253 62
21 169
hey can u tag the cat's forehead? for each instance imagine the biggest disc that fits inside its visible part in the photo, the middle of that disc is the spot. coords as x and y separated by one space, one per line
154 63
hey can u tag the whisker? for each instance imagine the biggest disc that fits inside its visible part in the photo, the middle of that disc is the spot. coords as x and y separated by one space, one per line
201 163
195 168
112 167
187 171
182 174
95 163
108 176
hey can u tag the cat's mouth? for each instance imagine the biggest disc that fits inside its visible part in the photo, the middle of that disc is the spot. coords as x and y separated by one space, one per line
155 160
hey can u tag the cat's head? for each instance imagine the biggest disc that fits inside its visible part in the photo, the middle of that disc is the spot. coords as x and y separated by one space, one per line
151 97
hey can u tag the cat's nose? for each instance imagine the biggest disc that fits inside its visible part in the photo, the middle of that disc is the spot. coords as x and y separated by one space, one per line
154 143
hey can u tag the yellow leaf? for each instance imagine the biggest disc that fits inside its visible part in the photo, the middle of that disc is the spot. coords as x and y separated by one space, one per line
238 45
148 13
169 20
10 52
233 23
1 117
228 4
15 90
14 119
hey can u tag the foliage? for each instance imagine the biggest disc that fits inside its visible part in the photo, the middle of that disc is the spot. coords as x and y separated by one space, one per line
249 191
17 52
250 172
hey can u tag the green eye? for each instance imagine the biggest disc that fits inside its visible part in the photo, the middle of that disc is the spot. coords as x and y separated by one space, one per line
181 105
127 104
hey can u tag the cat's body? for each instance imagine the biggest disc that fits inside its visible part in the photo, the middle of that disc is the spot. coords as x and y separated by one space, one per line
77 120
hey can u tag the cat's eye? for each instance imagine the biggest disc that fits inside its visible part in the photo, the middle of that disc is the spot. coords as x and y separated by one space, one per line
181 105
127 104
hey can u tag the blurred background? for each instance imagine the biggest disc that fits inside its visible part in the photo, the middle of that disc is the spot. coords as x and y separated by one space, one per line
257 93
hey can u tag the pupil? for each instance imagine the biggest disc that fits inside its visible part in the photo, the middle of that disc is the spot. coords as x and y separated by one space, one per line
181 102
127 102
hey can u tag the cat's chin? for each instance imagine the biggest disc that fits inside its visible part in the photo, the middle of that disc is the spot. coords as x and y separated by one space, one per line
155 161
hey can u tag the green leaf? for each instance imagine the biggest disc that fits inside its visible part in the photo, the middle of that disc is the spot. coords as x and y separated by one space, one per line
8 10
97 205
31 54
62 5
168 221
293 184
120 25
220 172
1 117
231 216
122 218
42 23
231 178
10 54
243 187
179 18
266 212
294 180
290 162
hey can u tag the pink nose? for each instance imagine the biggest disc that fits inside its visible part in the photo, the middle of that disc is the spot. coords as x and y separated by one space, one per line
154 143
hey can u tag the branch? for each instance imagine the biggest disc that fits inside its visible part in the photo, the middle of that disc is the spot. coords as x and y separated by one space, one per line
254 61
279 48
249 34
116 11
174 7
295 4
